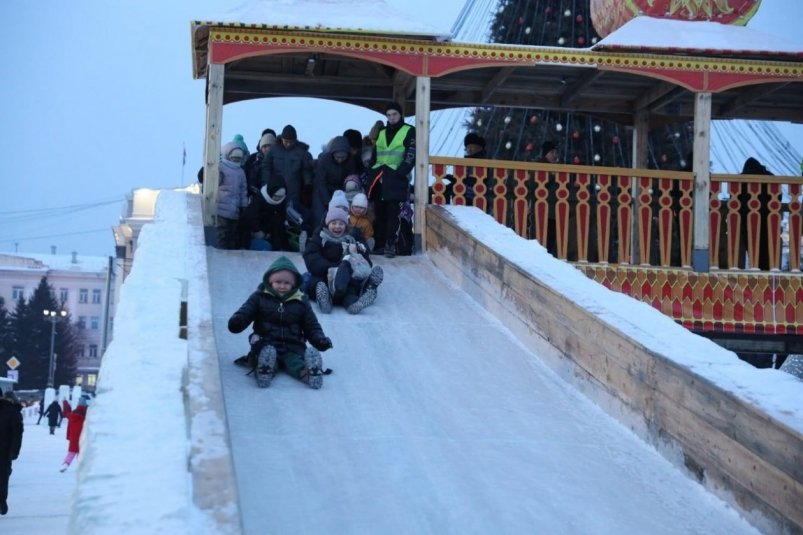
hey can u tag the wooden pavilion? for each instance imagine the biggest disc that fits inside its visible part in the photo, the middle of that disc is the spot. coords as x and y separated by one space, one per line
681 241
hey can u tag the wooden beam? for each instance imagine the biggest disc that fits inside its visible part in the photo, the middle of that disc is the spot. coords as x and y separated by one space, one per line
421 189
655 92
702 180
214 126
575 88
493 84
746 96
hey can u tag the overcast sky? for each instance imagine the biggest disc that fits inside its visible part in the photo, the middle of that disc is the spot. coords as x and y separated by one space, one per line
98 99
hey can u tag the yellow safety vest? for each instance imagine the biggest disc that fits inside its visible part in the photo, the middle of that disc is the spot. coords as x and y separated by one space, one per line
391 154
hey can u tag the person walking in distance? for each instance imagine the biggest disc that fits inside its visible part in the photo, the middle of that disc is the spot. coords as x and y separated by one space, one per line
11 429
75 425
54 416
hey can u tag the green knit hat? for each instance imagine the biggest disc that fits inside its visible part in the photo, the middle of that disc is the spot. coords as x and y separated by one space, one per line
282 263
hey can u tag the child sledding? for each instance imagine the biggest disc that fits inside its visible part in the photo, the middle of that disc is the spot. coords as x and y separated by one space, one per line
340 267
283 322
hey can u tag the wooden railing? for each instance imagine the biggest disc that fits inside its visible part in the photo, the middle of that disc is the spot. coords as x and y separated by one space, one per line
611 215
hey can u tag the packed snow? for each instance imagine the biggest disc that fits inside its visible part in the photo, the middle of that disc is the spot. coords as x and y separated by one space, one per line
435 418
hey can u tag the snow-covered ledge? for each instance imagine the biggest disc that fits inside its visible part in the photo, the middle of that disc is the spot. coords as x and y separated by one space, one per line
738 429
154 452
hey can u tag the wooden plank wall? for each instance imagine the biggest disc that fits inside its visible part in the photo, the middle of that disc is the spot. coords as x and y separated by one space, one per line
738 452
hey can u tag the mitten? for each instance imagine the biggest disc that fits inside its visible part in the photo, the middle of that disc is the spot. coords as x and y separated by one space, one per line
323 344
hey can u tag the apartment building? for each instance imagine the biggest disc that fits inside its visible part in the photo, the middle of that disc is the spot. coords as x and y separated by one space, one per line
84 285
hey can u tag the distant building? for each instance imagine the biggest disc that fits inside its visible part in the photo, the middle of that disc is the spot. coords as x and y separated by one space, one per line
83 285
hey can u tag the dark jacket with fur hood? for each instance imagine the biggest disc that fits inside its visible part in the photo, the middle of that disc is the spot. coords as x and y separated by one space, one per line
285 321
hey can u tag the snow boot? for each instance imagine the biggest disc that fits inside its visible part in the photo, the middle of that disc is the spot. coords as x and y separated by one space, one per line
266 366
314 364
375 278
323 298
366 299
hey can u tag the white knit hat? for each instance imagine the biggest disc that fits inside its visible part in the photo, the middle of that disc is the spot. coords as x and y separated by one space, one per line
360 200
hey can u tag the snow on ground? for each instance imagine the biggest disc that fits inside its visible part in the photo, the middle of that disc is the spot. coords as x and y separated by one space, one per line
435 420
39 496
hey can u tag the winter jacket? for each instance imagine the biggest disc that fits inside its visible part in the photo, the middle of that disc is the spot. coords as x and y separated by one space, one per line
232 194
285 321
266 216
319 256
363 223
394 184
53 414
293 165
330 175
75 424
11 429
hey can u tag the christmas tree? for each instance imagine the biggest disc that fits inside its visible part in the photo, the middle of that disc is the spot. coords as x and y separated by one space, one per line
518 134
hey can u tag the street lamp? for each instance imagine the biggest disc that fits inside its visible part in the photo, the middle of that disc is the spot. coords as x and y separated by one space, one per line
53 316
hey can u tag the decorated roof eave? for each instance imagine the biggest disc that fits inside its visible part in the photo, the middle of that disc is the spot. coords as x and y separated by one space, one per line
199 33
428 58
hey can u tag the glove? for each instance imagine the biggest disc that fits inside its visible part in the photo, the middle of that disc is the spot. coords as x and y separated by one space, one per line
323 344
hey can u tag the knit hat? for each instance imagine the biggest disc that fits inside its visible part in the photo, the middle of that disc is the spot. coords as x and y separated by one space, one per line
289 133
394 106
472 138
231 150
238 139
547 147
360 200
339 200
354 138
352 186
336 214
267 139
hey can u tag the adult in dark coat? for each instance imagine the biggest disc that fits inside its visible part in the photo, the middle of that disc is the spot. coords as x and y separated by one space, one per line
290 161
753 167
334 165
54 416
11 429
392 160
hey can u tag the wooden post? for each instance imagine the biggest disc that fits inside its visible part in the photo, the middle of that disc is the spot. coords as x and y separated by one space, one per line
214 120
640 147
702 181
422 108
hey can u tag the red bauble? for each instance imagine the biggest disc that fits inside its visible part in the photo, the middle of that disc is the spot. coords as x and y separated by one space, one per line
548 10
575 135
533 119
664 158
521 21
529 147
579 18
581 40
615 140
576 160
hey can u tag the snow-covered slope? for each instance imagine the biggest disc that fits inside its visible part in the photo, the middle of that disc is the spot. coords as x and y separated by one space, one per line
436 420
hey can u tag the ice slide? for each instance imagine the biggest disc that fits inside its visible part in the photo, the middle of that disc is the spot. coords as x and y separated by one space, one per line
435 420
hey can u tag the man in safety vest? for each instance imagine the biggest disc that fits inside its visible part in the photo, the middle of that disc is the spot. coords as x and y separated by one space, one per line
392 160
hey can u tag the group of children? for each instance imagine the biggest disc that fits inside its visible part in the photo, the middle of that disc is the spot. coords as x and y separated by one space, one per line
341 272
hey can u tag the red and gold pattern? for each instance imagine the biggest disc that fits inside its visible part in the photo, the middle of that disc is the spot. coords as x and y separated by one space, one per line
756 303
435 59
659 215
609 15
